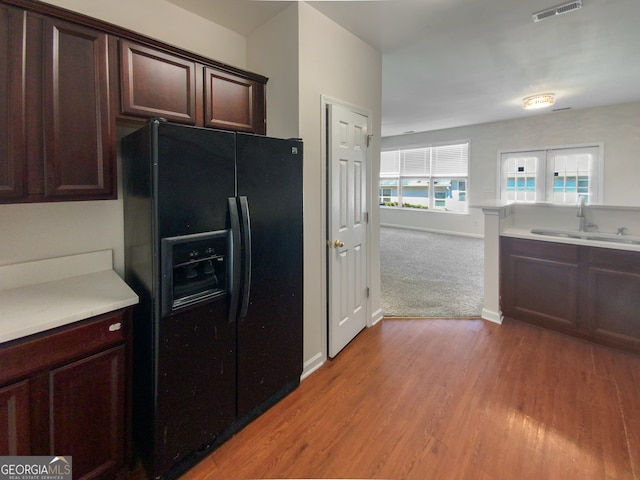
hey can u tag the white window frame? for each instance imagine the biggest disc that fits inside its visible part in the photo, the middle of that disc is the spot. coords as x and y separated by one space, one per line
544 185
428 174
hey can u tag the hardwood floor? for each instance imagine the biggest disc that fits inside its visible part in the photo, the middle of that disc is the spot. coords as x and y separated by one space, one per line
449 399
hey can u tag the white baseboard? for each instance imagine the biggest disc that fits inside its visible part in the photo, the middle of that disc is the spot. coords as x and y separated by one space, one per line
433 230
376 317
313 364
495 317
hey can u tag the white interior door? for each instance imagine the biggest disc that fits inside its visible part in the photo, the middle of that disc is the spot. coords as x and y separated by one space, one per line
347 229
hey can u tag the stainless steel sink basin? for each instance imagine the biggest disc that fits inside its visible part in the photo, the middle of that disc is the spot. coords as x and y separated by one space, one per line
620 239
558 233
599 237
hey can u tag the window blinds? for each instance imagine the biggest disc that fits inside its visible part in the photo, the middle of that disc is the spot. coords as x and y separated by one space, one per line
390 163
438 161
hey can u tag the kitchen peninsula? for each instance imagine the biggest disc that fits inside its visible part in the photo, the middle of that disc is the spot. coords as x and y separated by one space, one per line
552 274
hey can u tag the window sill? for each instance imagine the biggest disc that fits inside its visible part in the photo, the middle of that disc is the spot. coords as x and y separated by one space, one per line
424 210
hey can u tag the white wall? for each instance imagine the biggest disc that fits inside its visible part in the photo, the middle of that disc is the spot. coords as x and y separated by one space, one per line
306 55
45 230
470 224
168 23
617 126
272 50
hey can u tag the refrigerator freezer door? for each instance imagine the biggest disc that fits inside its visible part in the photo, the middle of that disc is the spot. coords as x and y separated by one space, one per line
270 336
178 180
196 176
196 381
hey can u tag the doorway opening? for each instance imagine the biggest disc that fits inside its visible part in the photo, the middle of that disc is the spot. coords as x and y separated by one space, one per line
425 274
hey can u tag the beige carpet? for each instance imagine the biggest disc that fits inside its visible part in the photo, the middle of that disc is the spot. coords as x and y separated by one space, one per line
430 274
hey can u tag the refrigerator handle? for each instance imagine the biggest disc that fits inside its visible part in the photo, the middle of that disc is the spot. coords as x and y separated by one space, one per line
234 257
246 240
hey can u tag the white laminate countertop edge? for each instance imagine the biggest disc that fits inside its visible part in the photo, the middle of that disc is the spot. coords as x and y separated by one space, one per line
526 234
36 306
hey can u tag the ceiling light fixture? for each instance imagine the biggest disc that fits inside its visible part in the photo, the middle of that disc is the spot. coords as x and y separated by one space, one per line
538 101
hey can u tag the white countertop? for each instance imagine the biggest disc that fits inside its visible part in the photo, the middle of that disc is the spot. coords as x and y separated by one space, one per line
524 232
44 294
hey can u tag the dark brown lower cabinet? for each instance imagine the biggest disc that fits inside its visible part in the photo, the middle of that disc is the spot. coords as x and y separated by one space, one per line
589 292
14 419
65 393
539 282
89 392
613 296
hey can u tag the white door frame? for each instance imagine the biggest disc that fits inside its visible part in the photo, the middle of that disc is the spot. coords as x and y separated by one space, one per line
325 101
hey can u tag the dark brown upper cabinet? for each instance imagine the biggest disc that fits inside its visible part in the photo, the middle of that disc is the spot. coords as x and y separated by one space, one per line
66 78
11 99
79 148
56 135
156 84
233 102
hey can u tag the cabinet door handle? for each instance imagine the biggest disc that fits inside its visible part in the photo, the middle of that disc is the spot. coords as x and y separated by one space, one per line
115 326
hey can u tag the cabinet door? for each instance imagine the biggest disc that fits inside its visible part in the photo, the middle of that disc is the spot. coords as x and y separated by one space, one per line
613 281
88 412
14 419
233 102
156 84
11 98
79 155
539 282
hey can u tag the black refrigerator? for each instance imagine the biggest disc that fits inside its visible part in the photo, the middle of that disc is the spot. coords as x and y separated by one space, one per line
213 248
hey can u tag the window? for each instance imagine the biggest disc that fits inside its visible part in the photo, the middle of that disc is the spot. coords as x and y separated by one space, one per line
433 177
555 175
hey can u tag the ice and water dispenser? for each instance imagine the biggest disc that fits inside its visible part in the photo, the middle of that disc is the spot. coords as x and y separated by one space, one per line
194 268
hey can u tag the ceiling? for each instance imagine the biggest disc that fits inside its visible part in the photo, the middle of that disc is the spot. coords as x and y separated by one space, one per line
449 63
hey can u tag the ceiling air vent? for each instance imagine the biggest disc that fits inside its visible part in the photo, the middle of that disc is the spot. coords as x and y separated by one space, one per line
559 10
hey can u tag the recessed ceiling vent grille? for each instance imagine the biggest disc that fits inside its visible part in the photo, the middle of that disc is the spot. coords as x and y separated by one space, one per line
559 10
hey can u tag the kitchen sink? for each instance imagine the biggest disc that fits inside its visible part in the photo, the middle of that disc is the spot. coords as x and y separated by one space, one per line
600 237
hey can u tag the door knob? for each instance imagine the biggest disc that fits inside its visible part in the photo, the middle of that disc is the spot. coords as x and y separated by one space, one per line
338 243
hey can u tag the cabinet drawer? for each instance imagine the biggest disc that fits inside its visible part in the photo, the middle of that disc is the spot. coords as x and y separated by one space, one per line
540 249
36 352
608 257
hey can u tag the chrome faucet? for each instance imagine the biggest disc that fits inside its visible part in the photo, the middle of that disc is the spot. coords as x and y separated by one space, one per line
582 210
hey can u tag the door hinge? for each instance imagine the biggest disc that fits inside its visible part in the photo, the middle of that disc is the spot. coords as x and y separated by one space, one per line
369 138
366 217
367 292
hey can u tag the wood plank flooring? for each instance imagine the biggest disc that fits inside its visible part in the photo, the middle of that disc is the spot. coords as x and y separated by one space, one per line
449 399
